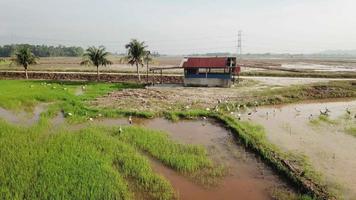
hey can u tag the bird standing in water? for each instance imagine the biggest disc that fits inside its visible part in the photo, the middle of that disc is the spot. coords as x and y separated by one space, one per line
130 119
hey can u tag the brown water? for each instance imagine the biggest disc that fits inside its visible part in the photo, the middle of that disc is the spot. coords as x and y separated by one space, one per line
330 149
23 118
248 177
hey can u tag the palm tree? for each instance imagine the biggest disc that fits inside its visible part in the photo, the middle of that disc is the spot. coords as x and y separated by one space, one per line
24 57
136 53
97 57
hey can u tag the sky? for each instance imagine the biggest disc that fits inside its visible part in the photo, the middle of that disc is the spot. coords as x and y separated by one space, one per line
183 26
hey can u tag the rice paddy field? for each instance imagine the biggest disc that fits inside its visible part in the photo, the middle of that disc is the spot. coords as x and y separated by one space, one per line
55 143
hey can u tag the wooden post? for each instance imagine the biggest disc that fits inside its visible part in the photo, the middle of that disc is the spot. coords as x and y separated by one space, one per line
161 76
153 76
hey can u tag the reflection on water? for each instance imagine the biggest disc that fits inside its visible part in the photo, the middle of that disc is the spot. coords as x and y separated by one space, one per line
23 118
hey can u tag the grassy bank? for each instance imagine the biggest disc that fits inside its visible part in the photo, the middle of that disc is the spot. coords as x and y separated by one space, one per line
293 94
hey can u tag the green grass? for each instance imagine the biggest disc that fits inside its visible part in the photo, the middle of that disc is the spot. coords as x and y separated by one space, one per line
186 159
323 119
62 95
280 194
4 62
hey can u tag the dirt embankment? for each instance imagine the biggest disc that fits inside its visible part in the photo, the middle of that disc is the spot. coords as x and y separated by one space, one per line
107 77
171 98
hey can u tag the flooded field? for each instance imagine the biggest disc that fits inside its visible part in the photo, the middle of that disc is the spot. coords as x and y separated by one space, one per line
22 118
247 177
320 67
297 127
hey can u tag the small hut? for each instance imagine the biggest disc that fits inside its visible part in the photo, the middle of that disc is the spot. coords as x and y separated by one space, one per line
210 71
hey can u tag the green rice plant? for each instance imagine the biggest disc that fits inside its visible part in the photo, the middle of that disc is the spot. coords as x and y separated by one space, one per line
184 158
323 119
19 94
89 164
282 194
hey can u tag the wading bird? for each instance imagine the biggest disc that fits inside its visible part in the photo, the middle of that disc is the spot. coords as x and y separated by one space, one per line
326 112
348 111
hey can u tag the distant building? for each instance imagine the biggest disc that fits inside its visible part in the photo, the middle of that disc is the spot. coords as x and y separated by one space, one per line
210 71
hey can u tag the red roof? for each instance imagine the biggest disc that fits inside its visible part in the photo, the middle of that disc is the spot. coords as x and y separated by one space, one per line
212 62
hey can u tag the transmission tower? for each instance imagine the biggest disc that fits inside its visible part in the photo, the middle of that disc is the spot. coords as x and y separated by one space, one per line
239 45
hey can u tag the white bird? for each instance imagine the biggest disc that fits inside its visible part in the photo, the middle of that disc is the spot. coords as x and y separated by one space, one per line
120 129
326 112
296 109
91 119
239 116
70 114
130 119
204 118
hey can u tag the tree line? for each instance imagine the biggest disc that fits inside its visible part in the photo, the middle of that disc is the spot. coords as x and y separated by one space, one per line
42 50
137 55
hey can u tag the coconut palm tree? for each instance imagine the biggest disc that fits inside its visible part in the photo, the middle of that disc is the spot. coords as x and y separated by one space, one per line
23 56
136 53
97 57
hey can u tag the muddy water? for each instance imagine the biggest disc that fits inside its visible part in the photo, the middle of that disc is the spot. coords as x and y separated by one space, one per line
330 150
247 178
23 118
